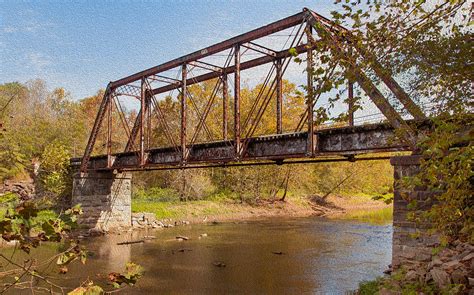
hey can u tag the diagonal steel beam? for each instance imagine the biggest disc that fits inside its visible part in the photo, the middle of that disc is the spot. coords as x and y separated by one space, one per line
95 130
203 116
199 115
136 126
243 66
164 79
155 106
366 84
206 66
382 73
259 48
396 89
227 44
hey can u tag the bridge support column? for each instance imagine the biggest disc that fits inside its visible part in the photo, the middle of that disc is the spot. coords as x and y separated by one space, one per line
105 198
411 242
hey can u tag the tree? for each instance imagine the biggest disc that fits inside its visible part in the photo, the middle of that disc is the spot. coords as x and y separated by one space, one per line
55 169
426 47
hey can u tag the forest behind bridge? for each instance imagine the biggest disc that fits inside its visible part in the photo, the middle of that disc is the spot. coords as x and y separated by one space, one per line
44 128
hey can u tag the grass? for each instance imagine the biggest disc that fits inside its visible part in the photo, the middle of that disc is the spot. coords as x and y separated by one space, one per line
368 287
398 283
164 203
176 209
380 216
367 196
160 209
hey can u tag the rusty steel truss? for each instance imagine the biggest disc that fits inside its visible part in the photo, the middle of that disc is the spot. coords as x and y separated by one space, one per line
306 141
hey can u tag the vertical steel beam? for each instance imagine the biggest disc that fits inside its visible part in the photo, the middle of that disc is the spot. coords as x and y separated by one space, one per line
279 96
225 105
183 196
95 129
148 118
142 122
183 113
310 98
237 142
109 133
350 88
350 98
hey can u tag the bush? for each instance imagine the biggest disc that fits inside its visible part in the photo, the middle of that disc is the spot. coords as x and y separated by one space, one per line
54 173
368 288
222 195
156 194
447 168
9 199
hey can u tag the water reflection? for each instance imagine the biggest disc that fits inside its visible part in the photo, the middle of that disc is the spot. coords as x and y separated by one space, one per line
317 256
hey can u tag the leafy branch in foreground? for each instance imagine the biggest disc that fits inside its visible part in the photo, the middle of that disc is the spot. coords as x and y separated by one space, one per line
447 168
20 225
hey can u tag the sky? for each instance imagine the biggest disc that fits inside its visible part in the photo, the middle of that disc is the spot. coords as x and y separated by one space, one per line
82 45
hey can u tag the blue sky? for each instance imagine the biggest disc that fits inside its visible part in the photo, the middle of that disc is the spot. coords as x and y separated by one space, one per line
82 45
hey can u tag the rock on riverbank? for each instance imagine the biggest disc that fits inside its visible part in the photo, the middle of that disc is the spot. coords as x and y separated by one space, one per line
451 270
148 220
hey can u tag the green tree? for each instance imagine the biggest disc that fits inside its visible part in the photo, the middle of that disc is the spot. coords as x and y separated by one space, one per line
426 47
55 169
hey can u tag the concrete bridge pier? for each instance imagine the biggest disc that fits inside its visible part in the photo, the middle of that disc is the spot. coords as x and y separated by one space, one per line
105 199
411 242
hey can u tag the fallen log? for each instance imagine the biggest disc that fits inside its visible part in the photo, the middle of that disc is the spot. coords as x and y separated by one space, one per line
131 242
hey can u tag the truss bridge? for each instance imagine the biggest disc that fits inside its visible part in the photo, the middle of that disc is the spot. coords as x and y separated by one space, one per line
186 140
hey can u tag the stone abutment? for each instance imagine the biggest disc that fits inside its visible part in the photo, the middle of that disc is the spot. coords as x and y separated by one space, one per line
412 244
105 199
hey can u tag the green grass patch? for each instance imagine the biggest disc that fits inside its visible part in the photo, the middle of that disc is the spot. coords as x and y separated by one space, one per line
156 194
397 283
9 198
2 212
299 199
177 209
368 196
368 287
8 201
222 196
160 209
380 216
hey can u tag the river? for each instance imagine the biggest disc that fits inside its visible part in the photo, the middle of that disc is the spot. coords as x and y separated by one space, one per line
279 255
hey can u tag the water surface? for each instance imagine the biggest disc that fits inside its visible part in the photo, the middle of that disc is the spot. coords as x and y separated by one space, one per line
319 256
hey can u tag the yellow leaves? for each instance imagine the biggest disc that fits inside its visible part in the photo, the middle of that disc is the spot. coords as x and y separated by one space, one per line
293 52
55 157
132 273
90 289
63 270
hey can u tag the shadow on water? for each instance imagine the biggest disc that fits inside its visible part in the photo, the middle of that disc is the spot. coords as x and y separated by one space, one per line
298 255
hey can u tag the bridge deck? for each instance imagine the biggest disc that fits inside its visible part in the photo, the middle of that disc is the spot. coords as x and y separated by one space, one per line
342 141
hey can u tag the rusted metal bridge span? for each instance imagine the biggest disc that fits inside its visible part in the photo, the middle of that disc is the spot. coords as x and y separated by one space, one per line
186 146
